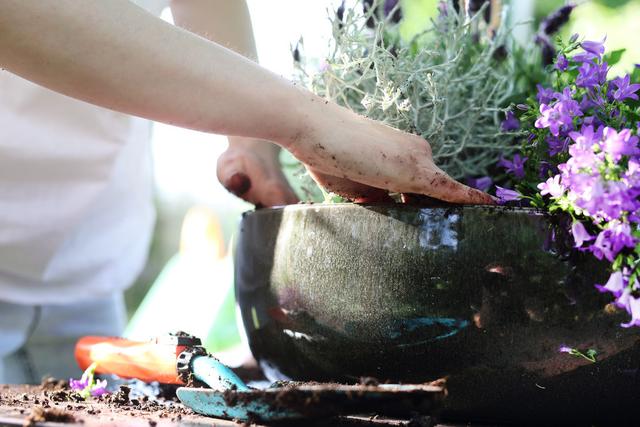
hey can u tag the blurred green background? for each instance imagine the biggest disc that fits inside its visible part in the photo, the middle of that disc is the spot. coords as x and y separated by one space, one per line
618 20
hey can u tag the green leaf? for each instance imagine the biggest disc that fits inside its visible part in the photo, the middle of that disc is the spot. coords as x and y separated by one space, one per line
613 57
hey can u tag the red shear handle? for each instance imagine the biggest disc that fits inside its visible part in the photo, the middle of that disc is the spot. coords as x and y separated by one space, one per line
146 361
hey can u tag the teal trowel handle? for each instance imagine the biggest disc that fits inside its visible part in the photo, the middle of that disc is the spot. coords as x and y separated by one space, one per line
216 375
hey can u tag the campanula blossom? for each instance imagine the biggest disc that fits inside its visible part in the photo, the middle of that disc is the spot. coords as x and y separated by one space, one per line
621 236
552 187
562 64
544 95
87 385
593 50
79 385
586 138
505 195
99 389
553 117
615 284
580 234
515 166
564 349
619 144
584 145
510 123
624 90
557 145
483 183
633 308
591 75
602 248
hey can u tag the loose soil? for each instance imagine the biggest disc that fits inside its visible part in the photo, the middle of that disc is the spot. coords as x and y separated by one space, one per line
52 401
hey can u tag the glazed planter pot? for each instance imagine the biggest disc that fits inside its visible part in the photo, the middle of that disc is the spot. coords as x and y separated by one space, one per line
404 294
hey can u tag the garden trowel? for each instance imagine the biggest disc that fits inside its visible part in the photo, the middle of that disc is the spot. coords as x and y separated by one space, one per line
180 359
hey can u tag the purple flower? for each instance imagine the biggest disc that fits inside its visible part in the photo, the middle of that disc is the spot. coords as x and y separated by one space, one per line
87 385
586 138
557 145
615 284
544 95
612 240
553 118
587 103
624 90
80 384
621 236
596 48
592 51
602 246
483 183
592 75
516 167
579 233
552 186
511 123
633 308
99 389
506 195
564 349
619 144
561 63
545 168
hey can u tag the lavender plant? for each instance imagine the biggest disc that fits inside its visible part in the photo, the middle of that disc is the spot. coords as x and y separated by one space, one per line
450 83
581 158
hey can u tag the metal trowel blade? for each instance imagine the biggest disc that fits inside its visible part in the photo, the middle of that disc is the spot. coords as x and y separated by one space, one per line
311 401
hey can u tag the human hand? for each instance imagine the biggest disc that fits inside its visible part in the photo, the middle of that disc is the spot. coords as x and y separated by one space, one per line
335 142
250 169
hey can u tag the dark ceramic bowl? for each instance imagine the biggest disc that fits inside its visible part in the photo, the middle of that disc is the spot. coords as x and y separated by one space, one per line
403 294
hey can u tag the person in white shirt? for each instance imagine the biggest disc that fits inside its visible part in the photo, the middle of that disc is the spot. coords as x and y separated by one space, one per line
75 193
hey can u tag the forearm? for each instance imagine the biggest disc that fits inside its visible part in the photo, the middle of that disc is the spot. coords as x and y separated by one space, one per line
227 23
114 54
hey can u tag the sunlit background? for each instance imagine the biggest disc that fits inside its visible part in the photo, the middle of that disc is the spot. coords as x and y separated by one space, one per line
193 253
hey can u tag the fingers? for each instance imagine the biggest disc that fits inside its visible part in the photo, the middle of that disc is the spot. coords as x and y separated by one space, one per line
354 191
254 176
443 187
238 184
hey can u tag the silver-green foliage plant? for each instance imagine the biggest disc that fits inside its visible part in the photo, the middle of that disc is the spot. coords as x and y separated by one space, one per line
450 83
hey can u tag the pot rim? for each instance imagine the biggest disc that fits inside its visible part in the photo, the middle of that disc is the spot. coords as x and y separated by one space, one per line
444 206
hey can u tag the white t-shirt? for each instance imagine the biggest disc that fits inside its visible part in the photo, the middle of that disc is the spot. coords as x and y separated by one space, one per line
76 212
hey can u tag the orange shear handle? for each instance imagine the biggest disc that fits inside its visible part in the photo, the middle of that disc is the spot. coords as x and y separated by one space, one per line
146 361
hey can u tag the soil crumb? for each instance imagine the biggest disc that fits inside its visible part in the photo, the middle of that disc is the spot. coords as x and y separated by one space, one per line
40 414
50 384
120 397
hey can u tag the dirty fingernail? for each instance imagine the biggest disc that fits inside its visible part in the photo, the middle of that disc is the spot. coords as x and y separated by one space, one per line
238 184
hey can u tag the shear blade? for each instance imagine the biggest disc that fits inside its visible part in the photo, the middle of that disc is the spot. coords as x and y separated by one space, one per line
302 401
